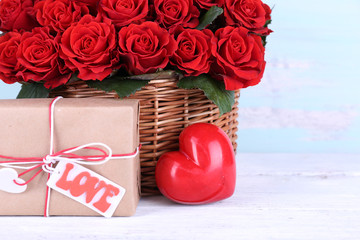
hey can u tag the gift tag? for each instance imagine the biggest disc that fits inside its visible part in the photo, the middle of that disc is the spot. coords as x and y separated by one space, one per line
8 176
87 187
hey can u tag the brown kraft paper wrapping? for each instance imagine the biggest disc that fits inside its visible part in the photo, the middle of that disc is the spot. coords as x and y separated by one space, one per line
24 132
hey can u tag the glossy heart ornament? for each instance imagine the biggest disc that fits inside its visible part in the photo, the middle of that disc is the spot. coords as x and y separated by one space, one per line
202 171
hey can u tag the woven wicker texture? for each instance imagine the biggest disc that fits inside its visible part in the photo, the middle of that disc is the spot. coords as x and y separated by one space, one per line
165 110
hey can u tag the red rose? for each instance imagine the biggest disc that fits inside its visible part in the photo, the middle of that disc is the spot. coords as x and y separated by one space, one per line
207 4
171 13
38 53
251 14
124 12
146 47
9 66
88 47
239 57
91 3
194 51
268 12
59 14
17 14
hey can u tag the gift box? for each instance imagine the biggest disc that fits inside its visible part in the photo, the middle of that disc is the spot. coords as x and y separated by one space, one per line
25 133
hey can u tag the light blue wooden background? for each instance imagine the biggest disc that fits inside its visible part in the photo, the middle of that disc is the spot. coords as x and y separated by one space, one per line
309 98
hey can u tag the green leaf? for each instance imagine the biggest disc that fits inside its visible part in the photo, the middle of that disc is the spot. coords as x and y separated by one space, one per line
209 17
123 87
268 22
127 85
213 89
33 90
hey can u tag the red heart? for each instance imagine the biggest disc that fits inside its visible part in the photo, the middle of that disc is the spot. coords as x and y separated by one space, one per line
202 171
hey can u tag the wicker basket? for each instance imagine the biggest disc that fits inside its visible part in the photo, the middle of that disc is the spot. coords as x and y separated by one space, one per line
165 111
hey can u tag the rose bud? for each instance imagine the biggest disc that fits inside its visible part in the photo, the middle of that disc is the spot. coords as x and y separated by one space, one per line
38 53
251 14
145 48
122 14
88 47
193 54
239 57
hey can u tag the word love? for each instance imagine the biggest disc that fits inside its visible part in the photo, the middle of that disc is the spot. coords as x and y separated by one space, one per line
86 187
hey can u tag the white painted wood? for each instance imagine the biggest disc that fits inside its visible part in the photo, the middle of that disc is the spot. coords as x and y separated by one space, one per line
278 196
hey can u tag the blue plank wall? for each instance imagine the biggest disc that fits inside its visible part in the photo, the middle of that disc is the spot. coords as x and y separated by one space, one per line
308 101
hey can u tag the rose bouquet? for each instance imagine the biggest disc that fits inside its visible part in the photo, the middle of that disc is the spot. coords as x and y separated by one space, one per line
213 45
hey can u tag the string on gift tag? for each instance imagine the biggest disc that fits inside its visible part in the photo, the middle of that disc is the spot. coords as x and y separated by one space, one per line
47 163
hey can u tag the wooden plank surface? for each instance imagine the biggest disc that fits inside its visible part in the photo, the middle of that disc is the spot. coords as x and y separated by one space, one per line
278 196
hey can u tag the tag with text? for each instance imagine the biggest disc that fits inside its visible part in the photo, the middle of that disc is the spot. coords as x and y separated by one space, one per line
87 187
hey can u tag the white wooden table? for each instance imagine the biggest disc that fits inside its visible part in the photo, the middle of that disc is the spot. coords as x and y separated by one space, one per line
278 196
